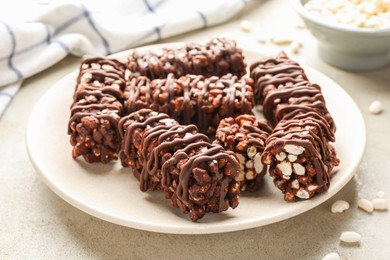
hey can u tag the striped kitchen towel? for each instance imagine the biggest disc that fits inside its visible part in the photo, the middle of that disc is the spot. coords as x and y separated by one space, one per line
95 27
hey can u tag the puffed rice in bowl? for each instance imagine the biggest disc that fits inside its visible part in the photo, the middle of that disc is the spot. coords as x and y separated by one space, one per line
350 35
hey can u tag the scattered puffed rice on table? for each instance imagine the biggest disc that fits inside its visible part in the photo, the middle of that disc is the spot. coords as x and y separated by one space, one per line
246 26
380 204
375 107
331 256
300 25
339 206
366 205
350 237
261 38
295 47
280 40
381 194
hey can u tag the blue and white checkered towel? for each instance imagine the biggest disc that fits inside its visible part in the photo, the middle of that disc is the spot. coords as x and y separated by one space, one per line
28 47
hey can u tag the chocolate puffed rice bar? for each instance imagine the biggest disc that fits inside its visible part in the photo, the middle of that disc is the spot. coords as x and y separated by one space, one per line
192 98
217 57
282 87
217 98
104 74
299 153
168 95
300 157
272 73
97 109
196 176
245 136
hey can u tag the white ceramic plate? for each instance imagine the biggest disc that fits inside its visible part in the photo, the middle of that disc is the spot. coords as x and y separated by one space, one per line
111 193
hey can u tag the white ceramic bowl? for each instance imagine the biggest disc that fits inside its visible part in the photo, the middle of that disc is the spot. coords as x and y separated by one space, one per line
355 49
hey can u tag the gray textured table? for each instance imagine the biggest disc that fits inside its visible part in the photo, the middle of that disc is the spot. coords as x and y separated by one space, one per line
36 223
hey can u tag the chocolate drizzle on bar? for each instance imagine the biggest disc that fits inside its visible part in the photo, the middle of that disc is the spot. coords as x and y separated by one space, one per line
106 75
245 136
205 158
298 152
271 73
218 98
192 98
167 95
196 176
97 109
217 57
300 155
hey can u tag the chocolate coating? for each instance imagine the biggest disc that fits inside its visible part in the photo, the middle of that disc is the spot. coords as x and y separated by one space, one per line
214 58
97 109
192 98
312 133
217 98
168 96
299 153
245 136
105 74
272 72
196 177
282 87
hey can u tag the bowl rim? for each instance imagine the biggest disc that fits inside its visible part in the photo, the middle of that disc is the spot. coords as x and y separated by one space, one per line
299 8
